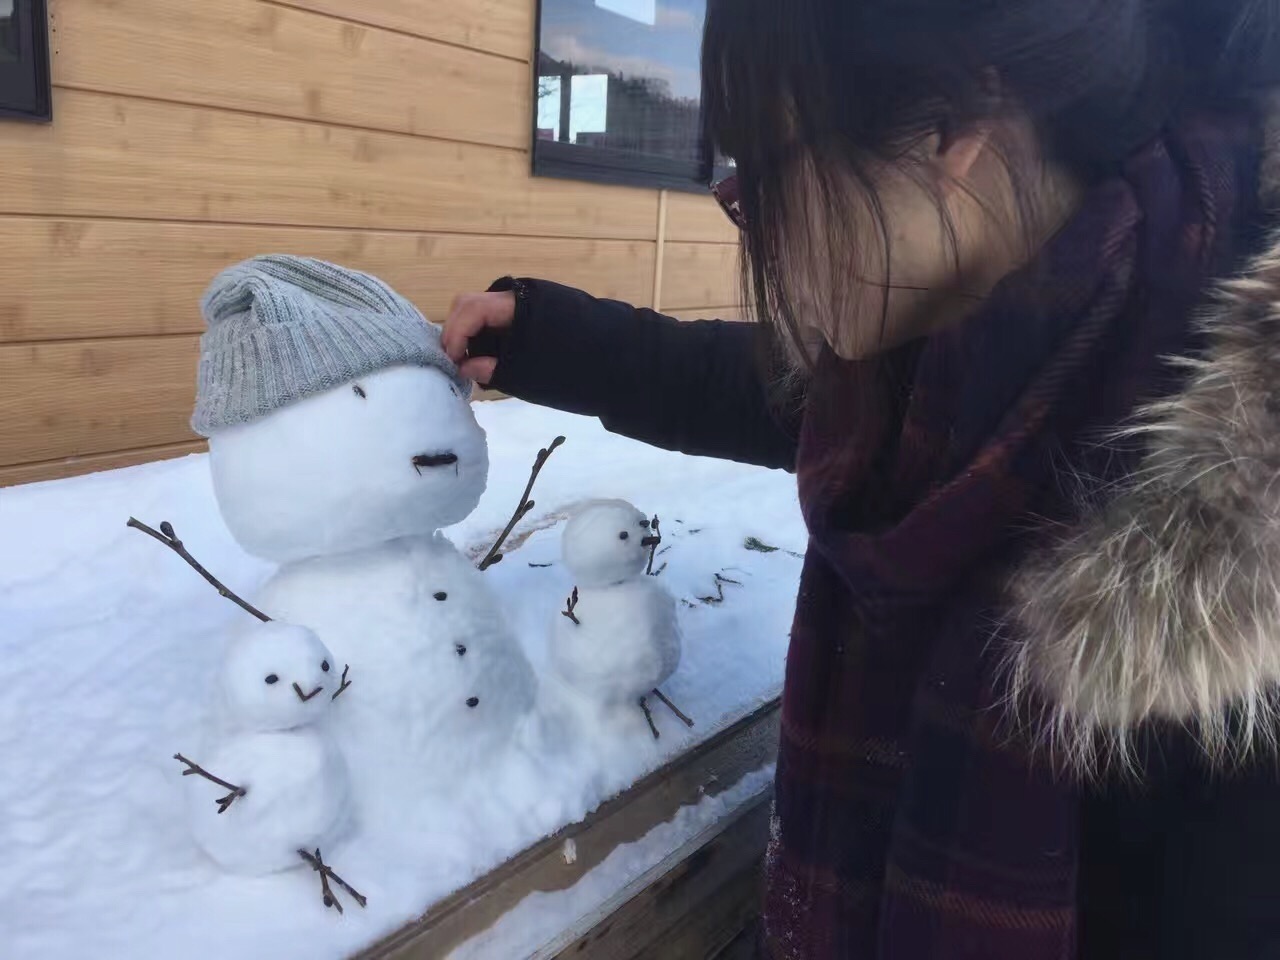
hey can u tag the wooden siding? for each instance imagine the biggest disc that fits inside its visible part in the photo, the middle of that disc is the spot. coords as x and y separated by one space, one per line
391 136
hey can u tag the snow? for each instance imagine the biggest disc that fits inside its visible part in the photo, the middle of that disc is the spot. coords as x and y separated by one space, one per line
109 646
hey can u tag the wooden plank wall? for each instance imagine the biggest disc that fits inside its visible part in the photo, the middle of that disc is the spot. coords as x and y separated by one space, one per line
390 135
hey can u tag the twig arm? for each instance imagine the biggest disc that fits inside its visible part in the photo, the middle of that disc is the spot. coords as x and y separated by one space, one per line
522 509
672 707
223 802
648 715
316 862
169 538
343 683
571 606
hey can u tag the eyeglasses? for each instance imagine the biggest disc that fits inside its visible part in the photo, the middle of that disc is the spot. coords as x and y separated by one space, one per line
726 193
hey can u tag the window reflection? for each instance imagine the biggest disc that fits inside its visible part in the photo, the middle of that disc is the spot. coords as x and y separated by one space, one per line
8 31
622 75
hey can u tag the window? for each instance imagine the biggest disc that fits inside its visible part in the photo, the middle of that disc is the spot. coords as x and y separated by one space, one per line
24 60
618 97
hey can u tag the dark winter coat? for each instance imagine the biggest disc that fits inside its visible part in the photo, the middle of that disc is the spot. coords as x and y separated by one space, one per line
1115 591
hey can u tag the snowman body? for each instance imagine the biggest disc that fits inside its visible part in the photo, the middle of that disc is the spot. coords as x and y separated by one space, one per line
278 684
347 491
623 638
441 679
626 641
298 798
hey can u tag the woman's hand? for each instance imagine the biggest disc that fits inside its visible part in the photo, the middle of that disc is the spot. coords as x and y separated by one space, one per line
470 314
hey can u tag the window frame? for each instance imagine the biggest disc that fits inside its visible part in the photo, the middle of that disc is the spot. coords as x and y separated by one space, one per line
28 76
619 168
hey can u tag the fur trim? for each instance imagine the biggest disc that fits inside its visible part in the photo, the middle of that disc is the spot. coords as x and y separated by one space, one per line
1164 603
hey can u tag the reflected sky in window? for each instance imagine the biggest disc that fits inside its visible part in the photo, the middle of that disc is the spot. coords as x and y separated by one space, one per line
610 36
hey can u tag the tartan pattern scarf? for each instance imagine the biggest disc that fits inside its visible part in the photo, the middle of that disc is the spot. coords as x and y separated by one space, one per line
910 823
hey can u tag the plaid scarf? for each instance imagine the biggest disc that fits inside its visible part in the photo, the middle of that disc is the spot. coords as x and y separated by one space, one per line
910 824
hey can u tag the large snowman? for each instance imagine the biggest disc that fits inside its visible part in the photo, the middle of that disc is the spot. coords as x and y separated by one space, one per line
341 441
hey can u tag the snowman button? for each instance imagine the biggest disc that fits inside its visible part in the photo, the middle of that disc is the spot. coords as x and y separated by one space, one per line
442 596
460 649
473 701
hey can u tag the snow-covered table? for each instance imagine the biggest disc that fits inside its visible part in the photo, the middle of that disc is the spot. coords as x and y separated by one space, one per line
108 643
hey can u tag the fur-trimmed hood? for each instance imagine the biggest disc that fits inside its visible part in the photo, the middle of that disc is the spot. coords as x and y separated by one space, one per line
1163 603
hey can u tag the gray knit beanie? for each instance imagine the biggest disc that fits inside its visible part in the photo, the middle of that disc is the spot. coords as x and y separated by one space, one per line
281 328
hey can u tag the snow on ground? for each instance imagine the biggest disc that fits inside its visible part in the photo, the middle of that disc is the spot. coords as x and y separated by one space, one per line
109 643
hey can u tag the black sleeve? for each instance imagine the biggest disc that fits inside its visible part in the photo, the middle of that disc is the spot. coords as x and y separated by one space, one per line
694 387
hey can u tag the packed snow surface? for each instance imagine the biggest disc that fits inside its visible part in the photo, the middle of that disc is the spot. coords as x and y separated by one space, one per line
110 649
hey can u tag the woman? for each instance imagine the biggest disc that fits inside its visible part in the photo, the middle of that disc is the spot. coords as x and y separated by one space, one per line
1029 703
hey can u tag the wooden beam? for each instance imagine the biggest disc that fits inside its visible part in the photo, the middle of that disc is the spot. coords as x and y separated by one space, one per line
688 907
700 275
504 27
698 218
124 158
660 255
66 279
745 946
712 766
251 56
82 397
77 466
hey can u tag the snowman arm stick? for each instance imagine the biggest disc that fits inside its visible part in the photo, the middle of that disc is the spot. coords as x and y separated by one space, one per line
571 605
224 802
343 682
525 505
672 707
170 539
317 864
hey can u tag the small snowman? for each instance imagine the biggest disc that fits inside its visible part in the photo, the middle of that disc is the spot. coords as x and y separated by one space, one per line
618 639
341 441
283 792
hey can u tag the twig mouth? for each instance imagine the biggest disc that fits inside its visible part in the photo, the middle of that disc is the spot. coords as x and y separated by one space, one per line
304 697
434 460
650 541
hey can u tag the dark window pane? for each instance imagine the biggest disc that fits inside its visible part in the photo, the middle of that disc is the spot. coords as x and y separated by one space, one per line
24 60
8 32
619 84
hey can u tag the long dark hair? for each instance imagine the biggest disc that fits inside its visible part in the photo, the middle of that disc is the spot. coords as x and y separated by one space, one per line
851 86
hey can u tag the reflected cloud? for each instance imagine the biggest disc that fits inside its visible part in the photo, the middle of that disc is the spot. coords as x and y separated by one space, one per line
568 48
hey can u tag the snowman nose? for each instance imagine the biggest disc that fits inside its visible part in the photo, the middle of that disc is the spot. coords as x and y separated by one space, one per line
650 541
434 460
304 697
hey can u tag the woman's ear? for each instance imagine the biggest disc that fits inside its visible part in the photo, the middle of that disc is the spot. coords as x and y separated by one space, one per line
959 153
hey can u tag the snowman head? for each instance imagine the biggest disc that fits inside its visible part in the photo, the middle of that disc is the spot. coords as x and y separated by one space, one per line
278 676
606 542
394 454
335 419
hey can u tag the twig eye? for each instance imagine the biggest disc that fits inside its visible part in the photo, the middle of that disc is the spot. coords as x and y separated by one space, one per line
272 678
